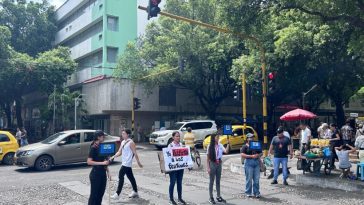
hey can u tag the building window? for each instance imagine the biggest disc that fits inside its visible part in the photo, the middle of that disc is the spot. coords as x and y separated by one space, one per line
100 6
113 23
112 54
100 37
167 96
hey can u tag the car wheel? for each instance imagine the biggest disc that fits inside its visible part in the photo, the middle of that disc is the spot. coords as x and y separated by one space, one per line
9 158
44 163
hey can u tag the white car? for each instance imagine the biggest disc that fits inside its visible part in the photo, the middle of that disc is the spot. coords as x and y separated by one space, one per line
201 129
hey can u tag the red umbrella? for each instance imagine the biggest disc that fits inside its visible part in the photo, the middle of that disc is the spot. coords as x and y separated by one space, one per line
298 114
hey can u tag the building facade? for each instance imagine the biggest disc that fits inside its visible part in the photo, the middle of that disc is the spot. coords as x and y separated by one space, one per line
96 31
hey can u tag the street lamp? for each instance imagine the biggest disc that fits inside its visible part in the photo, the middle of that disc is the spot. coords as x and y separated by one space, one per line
305 93
76 100
54 103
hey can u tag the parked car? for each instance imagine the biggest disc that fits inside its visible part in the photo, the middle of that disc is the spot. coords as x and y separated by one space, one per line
8 147
201 129
61 148
237 139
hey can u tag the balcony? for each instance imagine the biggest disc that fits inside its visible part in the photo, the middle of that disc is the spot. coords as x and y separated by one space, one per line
69 6
80 24
80 76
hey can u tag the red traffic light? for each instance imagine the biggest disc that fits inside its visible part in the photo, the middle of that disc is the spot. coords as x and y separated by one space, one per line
271 76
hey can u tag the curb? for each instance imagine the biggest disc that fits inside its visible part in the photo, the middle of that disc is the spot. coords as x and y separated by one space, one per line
332 183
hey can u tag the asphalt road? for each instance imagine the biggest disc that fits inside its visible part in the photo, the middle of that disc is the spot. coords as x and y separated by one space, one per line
26 186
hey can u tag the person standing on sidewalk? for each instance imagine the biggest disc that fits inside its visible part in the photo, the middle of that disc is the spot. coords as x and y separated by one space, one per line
127 151
24 137
177 175
98 171
215 150
335 141
347 133
18 136
359 144
282 147
252 168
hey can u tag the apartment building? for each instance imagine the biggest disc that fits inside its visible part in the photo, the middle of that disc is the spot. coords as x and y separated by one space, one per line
96 31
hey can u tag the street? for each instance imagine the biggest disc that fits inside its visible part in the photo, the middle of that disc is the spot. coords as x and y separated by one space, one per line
70 185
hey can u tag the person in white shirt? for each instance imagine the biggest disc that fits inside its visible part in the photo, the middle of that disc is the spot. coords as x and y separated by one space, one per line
18 136
305 135
127 151
177 175
359 144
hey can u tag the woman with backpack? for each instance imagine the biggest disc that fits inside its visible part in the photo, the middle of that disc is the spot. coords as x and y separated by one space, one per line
215 150
127 151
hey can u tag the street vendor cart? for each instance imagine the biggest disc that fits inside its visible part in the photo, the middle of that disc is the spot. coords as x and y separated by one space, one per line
317 157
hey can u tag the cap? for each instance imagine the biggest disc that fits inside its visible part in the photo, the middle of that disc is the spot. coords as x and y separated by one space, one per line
249 135
280 130
99 133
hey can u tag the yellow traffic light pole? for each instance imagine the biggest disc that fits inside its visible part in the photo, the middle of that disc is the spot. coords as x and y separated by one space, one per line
244 37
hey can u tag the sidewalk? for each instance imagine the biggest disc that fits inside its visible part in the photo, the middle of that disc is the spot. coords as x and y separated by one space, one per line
297 177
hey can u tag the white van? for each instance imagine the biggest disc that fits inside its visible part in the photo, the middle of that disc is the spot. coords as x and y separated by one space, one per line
201 129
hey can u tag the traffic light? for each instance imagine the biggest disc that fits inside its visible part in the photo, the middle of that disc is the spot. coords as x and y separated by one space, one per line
236 93
153 9
271 83
136 102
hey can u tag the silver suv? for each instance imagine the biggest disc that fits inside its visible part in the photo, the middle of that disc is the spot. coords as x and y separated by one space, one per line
61 148
201 129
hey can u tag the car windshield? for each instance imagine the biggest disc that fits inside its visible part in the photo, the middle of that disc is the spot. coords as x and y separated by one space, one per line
52 138
176 126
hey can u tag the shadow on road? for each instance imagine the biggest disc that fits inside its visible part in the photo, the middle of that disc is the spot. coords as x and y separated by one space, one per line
77 166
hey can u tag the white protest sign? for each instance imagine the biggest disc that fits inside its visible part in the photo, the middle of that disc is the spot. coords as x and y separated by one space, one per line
176 158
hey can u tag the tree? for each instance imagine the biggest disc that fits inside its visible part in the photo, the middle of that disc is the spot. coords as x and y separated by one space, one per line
25 74
32 25
205 55
304 49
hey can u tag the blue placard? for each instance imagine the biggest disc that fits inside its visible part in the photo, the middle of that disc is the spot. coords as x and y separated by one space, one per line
255 145
228 130
107 149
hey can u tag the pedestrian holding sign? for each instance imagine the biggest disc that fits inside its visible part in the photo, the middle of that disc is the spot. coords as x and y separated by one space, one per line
176 166
99 169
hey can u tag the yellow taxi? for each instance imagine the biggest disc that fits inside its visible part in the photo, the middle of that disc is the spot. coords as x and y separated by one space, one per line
237 139
8 147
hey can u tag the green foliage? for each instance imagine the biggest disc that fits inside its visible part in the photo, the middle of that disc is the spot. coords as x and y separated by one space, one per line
205 55
304 44
32 25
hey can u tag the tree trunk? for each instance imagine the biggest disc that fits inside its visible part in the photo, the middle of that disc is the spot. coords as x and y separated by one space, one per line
19 119
7 110
340 113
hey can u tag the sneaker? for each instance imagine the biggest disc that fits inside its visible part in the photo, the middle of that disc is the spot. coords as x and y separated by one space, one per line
133 194
115 196
212 201
221 200
172 202
258 196
248 195
274 182
181 201
285 182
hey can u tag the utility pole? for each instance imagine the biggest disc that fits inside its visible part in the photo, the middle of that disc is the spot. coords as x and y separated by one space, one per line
54 108
243 85
132 108
304 95
244 37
